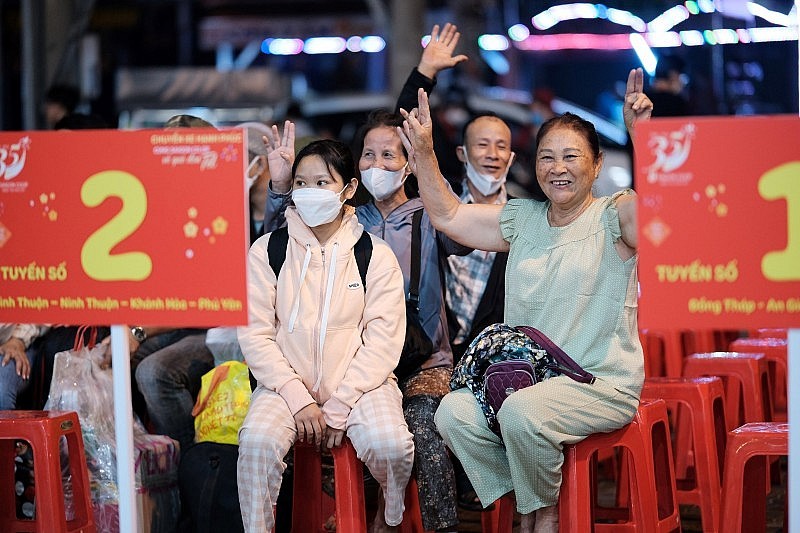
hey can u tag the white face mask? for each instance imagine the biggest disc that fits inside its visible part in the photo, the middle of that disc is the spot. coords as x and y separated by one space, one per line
250 180
317 206
382 183
485 183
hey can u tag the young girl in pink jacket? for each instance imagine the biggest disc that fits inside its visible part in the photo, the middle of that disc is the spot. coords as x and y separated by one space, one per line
322 346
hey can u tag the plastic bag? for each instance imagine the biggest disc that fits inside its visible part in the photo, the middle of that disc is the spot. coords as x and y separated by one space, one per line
222 403
223 343
80 385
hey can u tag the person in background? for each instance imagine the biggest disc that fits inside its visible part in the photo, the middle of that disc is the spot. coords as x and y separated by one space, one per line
81 121
453 112
667 86
541 107
257 175
168 363
323 363
187 121
16 360
572 274
60 101
475 283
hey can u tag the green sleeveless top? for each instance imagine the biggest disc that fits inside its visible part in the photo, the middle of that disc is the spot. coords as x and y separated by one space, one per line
570 283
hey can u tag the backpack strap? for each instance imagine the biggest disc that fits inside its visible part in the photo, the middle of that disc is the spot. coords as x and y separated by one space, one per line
416 260
276 249
363 252
279 240
566 364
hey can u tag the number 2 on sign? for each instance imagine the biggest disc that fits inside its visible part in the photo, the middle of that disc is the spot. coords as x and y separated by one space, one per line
96 257
781 182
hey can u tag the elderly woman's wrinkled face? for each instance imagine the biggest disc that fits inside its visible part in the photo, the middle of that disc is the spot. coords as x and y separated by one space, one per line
566 167
382 149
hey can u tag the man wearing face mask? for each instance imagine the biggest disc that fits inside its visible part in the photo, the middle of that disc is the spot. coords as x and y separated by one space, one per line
474 283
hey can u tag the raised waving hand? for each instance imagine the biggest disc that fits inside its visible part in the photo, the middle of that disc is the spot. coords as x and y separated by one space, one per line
280 157
438 54
417 131
637 106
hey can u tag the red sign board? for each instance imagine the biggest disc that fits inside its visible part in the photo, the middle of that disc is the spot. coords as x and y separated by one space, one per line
123 227
719 222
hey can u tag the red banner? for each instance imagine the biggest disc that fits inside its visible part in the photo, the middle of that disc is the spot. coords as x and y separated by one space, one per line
123 227
719 222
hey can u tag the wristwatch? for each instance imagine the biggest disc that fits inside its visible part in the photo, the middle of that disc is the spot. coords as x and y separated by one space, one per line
139 333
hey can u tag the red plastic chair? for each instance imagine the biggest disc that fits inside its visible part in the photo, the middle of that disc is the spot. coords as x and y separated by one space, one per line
44 431
699 419
746 378
663 351
500 519
776 352
348 507
749 449
650 477
412 516
773 333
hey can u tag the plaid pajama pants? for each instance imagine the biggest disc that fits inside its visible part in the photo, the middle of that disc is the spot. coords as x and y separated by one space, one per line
376 427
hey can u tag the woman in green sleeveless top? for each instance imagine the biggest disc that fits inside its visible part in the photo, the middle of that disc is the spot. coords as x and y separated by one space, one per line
572 274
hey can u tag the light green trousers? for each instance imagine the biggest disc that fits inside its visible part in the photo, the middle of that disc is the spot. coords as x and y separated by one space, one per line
535 422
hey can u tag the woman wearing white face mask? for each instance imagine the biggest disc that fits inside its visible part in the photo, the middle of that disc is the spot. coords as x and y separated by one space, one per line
384 173
321 344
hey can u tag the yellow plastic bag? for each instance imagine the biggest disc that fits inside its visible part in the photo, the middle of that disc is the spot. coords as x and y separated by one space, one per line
222 403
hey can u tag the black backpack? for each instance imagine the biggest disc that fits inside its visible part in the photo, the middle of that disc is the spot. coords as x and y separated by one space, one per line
210 493
276 251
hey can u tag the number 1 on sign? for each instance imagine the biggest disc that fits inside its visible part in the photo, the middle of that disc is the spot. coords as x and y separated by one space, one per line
96 258
781 182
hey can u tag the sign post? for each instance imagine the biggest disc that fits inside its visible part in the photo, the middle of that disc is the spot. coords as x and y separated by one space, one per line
719 232
123 227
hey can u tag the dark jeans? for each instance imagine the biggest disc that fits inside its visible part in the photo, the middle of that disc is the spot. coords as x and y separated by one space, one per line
168 374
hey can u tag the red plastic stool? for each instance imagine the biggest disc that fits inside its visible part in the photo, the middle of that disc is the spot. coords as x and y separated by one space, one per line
699 341
412 516
699 440
349 507
775 350
650 476
749 446
746 377
773 333
663 351
44 430
500 519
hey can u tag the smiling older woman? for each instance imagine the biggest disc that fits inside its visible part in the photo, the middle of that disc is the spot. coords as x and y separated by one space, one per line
572 274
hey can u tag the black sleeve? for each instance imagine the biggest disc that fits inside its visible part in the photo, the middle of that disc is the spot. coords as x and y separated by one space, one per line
408 95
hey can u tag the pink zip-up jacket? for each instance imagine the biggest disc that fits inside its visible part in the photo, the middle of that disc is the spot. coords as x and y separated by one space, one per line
314 335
